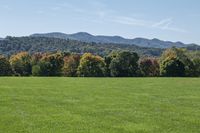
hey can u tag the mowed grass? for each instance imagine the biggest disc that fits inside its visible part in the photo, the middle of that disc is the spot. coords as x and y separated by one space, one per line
99 105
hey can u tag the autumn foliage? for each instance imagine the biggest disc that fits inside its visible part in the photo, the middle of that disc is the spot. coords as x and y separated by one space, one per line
173 63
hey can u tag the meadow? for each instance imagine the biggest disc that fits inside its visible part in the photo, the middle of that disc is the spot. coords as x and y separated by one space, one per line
99 105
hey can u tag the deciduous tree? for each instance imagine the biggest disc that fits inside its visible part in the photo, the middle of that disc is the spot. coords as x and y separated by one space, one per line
180 54
125 64
21 64
5 68
91 66
71 64
149 67
172 67
51 64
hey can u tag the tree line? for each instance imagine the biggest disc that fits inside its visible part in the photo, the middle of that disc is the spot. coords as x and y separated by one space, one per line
174 62
12 45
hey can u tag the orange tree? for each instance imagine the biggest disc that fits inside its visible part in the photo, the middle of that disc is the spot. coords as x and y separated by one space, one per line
71 64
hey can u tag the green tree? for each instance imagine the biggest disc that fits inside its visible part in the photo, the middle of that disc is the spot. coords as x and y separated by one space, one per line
125 64
196 62
5 67
181 55
172 67
36 71
108 59
21 64
91 66
51 64
149 67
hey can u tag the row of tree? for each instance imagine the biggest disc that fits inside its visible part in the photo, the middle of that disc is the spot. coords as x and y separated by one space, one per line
173 63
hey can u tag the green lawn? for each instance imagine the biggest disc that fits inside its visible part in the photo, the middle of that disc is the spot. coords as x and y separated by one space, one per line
95 105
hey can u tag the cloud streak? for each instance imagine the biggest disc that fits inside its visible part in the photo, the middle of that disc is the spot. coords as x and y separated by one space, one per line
62 6
130 21
165 24
5 7
100 13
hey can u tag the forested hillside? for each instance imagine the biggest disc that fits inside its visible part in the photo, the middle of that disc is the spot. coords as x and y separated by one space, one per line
11 45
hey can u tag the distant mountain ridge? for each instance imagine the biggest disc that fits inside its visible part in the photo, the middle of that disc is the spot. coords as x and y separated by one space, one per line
11 45
86 37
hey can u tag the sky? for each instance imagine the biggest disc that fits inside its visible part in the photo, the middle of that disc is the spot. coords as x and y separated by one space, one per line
171 20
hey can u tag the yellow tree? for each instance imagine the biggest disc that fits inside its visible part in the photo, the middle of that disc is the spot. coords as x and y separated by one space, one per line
21 64
91 66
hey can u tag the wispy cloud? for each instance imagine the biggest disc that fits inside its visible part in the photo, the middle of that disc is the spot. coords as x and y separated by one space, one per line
165 24
61 6
97 4
99 12
111 15
5 7
54 9
130 21
40 12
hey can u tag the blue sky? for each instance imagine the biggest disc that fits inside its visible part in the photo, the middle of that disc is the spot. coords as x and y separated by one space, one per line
173 20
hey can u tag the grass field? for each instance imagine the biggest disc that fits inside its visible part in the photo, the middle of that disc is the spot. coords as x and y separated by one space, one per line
95 105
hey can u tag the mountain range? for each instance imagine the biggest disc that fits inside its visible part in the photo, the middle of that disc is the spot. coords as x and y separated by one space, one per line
53 42
12 45
86 37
